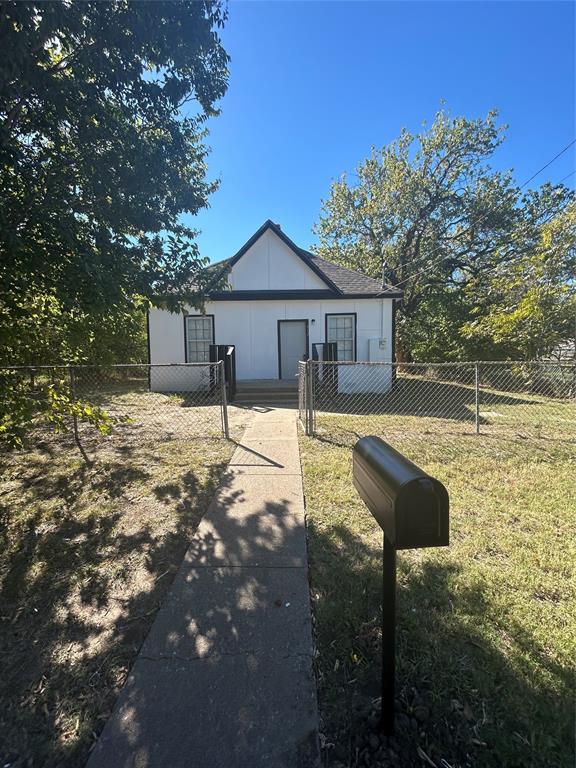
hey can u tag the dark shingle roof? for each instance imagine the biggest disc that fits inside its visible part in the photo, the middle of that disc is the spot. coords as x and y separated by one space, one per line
348 280
340 281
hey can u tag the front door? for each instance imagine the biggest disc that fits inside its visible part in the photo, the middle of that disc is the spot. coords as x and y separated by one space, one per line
292 346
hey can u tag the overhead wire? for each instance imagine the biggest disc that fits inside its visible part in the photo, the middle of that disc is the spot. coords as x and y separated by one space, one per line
479 221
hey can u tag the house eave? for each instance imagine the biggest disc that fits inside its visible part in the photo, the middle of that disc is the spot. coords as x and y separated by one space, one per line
300 295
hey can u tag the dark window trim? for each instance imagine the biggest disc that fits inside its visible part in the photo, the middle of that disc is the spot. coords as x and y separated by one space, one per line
186 316
291 320
341 314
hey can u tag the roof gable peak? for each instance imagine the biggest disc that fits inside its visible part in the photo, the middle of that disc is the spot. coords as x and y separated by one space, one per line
302 255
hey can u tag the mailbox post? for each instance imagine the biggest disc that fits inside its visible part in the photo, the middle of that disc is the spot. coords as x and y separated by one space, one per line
412 508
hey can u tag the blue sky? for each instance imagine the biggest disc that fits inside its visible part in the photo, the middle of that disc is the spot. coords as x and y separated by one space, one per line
314 85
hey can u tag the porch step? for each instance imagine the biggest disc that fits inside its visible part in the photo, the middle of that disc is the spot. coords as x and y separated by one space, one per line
261 398
266 404
256 398
267 392
274 397
266 384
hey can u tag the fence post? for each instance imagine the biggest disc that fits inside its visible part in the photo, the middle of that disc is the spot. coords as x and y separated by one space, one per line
309 403
313 376
477 395
72 377
301 394
79 445
224 403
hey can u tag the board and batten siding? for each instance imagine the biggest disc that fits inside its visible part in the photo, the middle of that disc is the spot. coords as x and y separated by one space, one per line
252 326
270 265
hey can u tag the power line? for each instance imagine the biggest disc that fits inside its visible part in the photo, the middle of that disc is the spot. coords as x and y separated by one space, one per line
566 148
567 176
479 221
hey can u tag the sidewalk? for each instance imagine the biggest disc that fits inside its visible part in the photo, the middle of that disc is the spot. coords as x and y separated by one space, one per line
225 677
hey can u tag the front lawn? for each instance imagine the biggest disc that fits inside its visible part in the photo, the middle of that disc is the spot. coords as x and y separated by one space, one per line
486 628
86 555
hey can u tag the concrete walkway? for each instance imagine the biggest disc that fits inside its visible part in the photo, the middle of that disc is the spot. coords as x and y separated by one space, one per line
225 677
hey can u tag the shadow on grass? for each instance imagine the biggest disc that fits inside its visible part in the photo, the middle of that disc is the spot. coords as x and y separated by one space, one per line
81 576
459 699
417 397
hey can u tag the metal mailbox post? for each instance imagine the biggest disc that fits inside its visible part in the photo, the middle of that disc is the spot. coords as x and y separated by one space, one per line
411 507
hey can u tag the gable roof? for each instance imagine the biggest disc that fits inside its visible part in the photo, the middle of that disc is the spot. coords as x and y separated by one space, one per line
340 282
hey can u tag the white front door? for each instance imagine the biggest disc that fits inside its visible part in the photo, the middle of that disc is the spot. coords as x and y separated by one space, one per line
292 346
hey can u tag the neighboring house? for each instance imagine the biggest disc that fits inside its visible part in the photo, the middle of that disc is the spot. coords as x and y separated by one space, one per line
280 301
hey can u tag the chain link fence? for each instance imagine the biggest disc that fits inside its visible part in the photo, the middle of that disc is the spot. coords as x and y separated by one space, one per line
119 402
511 399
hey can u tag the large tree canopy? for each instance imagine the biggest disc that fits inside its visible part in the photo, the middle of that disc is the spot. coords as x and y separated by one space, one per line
428 214
97 160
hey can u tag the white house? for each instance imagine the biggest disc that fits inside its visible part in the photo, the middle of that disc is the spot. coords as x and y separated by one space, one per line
279 302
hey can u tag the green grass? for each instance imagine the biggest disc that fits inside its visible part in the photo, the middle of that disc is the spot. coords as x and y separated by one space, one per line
86 555
486 627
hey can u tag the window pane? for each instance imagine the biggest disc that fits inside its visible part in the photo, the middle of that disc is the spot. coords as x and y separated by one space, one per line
341 329
199 337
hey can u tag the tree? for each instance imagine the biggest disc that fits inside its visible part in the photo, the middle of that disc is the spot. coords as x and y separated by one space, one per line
427 214
97 161
102 125
109 336
527 307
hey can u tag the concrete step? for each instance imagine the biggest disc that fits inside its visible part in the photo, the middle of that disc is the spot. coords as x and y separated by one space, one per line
267 383
285 387
265 399
273 393
276 388
287 395
265 403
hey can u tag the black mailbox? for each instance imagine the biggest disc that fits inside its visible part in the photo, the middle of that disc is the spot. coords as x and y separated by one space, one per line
409 505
